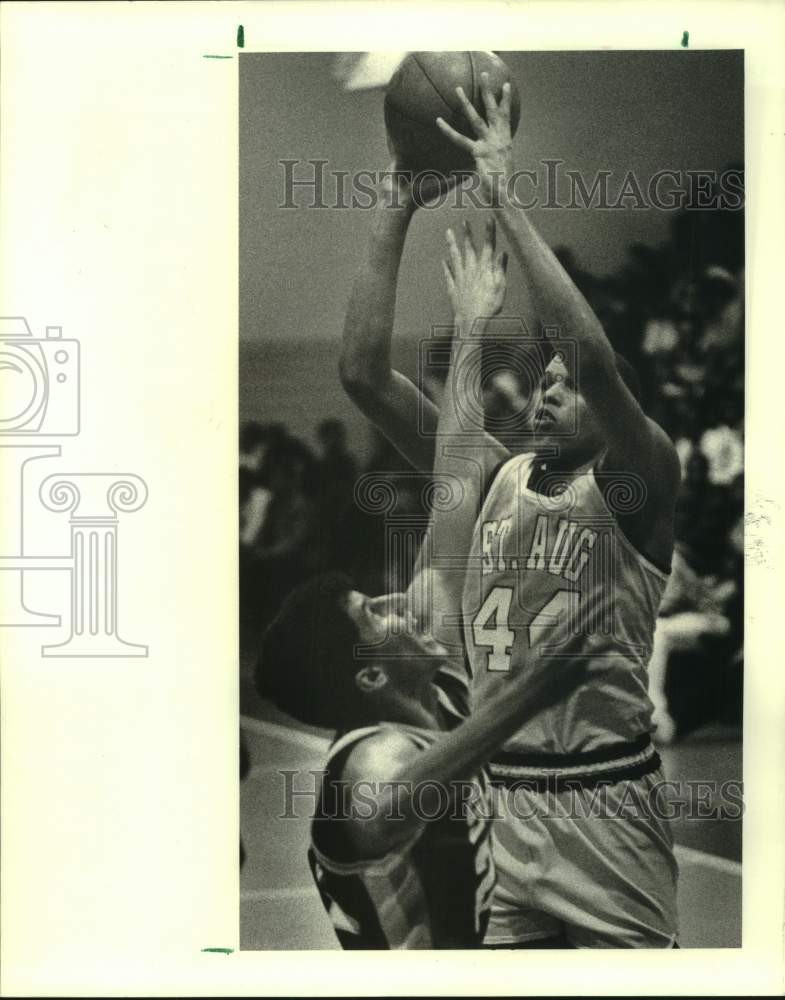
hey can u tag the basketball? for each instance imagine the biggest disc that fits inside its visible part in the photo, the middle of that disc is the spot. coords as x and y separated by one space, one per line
422 89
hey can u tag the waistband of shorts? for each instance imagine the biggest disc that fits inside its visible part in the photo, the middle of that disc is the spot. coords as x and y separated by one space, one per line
615 762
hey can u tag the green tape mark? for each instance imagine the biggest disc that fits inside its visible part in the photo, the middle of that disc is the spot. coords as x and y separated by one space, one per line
240 36
223 951
685 40
217 57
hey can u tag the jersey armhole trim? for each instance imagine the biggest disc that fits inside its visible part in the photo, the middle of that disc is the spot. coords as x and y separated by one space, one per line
353 736
494 476
368 866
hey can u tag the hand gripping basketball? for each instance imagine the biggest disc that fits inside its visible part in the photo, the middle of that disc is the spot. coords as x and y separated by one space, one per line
492 147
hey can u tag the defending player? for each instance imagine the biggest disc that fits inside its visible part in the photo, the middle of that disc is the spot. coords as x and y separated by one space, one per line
388 878
574 543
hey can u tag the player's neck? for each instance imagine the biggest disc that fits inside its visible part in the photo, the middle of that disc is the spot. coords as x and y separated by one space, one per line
415 707
544 466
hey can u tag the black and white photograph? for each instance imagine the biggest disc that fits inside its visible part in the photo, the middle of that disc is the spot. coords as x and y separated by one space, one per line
391 552
491 487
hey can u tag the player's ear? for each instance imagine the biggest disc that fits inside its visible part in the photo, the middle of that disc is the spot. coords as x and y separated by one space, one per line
389 604
371 679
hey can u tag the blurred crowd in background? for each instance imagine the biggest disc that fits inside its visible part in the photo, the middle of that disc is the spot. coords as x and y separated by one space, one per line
677 313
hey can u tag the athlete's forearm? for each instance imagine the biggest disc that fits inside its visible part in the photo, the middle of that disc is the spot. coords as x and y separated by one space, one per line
458 472
365 356
476 285
461 440
460 752
416 787
391 401
421 783
557 300
437 581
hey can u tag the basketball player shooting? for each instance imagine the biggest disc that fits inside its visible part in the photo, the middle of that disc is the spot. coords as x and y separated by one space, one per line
400 843
549 574
596 553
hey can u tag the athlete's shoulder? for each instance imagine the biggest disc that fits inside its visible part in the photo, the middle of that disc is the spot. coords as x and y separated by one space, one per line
511 469
666 458
379 756
519 459
663 469
644 510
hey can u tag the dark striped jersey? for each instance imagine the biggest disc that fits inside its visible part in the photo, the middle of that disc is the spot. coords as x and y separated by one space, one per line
431 892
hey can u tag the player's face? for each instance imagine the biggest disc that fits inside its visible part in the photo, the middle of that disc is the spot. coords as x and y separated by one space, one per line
386 623
562 417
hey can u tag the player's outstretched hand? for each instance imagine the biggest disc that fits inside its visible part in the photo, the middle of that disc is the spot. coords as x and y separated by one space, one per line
492 145
476 280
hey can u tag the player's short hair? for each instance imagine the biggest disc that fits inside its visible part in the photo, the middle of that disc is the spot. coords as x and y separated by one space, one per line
306 666
628 375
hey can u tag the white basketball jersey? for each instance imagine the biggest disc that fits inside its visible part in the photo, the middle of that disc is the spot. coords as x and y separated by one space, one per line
552 578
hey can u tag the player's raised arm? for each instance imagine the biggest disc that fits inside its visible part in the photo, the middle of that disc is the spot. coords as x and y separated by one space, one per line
634 443
383 394
476 282
393 402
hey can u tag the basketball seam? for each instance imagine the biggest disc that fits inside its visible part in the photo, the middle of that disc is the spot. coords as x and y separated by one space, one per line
391 109
475 96
423 125
407 118
425 73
